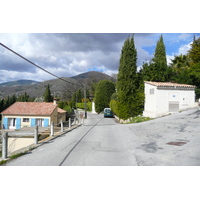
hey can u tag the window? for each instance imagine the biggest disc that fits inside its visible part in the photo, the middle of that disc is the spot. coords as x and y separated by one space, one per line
152 91
25 119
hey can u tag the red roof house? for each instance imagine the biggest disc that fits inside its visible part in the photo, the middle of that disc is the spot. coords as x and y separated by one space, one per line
29 114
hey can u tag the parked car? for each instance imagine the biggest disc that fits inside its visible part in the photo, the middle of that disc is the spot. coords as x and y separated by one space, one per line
108 112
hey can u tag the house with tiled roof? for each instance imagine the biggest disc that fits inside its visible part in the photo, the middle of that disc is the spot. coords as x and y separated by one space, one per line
162 98
29 114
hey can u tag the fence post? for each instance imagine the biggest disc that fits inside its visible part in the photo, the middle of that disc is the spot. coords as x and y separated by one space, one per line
36 134
4 145
61 123
78 118
69 123
52 129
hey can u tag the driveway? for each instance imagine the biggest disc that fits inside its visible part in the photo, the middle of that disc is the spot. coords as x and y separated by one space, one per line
173 140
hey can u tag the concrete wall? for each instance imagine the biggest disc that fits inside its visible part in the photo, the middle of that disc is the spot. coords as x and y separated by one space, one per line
15 144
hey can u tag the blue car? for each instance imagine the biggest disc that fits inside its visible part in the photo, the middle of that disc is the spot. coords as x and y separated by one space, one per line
108 112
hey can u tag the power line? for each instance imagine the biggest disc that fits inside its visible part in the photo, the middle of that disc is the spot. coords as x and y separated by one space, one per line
37 65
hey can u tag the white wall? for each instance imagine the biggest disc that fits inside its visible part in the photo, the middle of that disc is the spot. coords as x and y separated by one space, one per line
150 101
157 104
26 124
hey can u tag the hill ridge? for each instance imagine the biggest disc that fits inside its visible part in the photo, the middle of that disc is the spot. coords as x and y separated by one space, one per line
57 86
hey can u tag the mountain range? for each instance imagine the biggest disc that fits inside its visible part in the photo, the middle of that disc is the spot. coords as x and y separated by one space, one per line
19 83
58 87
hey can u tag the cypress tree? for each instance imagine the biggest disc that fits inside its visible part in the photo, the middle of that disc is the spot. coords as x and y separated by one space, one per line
47 95
157 69
127 81
160 69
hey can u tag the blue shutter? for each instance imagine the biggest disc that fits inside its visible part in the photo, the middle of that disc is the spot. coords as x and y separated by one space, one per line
46 122
5 123
18 123
33 122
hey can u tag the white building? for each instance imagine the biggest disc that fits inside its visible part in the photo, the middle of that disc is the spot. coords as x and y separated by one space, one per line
162 98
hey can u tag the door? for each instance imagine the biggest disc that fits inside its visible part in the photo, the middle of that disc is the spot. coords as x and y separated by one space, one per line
12 123
173 106
173 100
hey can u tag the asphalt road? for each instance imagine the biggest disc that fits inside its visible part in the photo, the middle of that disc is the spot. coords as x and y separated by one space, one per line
173 140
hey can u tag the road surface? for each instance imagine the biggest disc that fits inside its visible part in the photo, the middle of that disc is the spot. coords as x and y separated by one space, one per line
173 140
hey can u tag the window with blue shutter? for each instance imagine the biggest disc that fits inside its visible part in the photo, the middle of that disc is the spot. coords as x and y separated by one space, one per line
5 123
18 123
33 120
46 122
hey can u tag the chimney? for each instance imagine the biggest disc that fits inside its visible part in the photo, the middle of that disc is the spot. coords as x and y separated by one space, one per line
54 101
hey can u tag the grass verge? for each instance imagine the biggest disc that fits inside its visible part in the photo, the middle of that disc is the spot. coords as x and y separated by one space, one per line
138 119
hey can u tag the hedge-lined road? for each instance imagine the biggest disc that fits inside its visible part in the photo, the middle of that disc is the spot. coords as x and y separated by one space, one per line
172 140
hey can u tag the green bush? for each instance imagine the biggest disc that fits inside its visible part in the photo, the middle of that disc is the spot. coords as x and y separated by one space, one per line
62 104
103 93
119 109
68 109
113 106
82 106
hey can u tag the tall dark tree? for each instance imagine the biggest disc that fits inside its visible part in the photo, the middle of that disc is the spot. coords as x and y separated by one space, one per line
128 82
157 69
127 70
160 61
79 96
47 95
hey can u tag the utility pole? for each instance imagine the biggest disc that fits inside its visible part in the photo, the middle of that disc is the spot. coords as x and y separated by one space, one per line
85 106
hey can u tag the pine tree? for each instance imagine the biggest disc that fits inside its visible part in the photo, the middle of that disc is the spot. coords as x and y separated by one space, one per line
47 95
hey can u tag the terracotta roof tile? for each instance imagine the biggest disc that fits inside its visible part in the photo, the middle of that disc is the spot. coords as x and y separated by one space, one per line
169 84
30 108
61 110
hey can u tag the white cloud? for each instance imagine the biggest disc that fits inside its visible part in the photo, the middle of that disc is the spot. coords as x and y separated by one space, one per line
169 59
185 36
68 55
184 49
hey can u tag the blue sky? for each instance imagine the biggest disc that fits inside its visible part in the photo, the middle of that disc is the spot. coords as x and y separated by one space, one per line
69 54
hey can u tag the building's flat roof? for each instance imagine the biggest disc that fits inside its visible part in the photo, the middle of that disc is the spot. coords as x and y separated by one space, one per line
169 84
